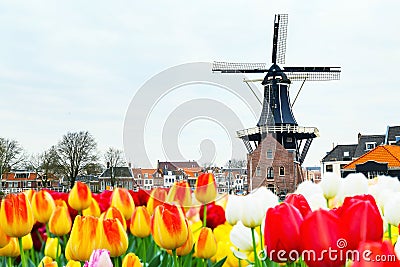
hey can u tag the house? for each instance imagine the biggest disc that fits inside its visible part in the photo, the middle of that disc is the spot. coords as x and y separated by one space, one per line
91 180
191 175
341 155
123 178
148 179
382 160
312 174
176 165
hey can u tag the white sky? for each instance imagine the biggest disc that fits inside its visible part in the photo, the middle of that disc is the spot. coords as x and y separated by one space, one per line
76 65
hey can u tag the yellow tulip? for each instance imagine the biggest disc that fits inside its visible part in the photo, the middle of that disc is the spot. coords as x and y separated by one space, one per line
157 197
114 213
47 262
187 247
168 226
29 193
206 245
115 239
180 194
206 188
27 242
131 260
80 197
85 237
140 222
60 222
16 217
73 263
93 209
122 200
4 238
60 203
11 249
42 206
50 249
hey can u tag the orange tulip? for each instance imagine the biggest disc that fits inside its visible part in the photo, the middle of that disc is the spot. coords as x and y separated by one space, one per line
187 247
122 200
80 197
114 213
168 226
11 249
42 206
140 222
85 237
47 262
206 245
180 194
206 188
29 193
157 197
93 209
115 239
4 238
131 260
60 202
16 217
60 221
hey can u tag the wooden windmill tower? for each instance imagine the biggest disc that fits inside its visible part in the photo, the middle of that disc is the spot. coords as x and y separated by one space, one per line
277 146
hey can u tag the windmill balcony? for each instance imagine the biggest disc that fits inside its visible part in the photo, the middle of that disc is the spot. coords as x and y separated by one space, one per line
277 129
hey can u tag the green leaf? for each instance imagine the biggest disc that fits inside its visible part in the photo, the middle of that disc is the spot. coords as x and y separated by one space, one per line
219 263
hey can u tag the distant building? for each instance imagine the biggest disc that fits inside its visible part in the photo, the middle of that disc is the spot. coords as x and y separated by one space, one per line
312 174
123 178
20 180
91 180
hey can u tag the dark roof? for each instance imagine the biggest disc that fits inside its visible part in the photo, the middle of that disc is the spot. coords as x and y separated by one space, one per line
337 153
118 172
175 165
391 134
363 139
87 178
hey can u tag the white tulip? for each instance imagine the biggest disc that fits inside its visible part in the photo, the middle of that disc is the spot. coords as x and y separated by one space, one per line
253 210
241 237
266 198
330 185
354 184
390 183
397 247
317 201
391 210
233 209
308 188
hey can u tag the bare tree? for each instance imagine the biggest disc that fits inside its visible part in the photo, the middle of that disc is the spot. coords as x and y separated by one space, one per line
114 158
11 154
75 151
236 163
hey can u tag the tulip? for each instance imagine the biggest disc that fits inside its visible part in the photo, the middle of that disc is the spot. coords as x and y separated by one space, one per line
330 185
114 213
157 197
253 210
60 222
215 215
233 209
52 248
93 209
47 262
391 209
180 194
85 237
11 249
266 198
80 197
300 202
206 188
241 237
140 222
168 226
206 245
354 184
318 232
27 242
380 254
122 200
99 257
42 206
29 193
368 226
308 188
4 238
187 247
282 231
60 203
115 239
73 263
16 217
131 260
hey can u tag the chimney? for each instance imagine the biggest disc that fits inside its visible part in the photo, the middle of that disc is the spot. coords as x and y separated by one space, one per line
359 136
130 165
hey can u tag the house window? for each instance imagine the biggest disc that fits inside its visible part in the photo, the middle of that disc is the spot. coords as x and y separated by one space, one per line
281 171
369 146
270 173
397 138
342 166
271 187
346 154
146 175
269 154
329 168
258 171
139 176
22 175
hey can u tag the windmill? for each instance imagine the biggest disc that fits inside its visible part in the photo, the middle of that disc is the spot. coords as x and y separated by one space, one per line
277 117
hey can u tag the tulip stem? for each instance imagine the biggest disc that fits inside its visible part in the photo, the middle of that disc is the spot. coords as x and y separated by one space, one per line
175 258
47 231
144 251
205 215
21 249
254 248
9 261
57 251
261 239
390 232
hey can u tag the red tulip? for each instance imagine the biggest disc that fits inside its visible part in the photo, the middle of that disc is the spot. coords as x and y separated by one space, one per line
103 199
319 233
300 202
376 254
282 232
140 198
360 220
215 215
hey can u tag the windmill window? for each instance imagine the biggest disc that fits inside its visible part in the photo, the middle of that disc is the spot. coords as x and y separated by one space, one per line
281 171
269 154
258 171
289 139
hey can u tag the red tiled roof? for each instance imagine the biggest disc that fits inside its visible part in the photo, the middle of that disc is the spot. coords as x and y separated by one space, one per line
382 154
